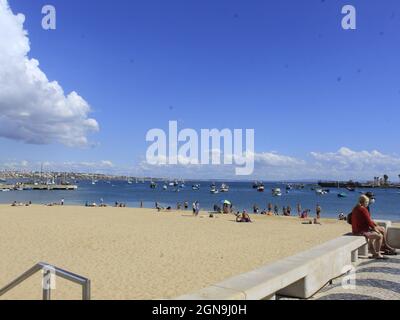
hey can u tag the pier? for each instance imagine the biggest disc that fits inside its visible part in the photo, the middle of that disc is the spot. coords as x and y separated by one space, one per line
46 187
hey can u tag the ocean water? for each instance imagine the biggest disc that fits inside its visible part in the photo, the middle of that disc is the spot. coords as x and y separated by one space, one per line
241 194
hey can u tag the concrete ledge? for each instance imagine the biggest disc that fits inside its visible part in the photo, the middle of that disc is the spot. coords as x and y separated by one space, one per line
300 276
214 293
383 223
393 237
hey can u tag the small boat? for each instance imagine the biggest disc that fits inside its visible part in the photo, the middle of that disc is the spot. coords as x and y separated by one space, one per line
320 192
214 190
224 188
165 187
153 185
5 190
342 195
261 188
351 189
130 181
276 192
289 187
196 187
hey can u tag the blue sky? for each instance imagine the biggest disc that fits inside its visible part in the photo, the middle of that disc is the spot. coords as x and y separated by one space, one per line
285 68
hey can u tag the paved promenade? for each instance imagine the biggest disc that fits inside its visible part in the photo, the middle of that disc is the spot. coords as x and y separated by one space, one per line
374 280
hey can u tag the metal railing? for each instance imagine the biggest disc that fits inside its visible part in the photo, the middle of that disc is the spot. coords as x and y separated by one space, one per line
49 272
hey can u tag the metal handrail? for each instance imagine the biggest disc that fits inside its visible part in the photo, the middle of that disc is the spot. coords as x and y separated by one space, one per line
48 270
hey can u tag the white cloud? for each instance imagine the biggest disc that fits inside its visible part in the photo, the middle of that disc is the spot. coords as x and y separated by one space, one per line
276 160
343 164
357 163
33 109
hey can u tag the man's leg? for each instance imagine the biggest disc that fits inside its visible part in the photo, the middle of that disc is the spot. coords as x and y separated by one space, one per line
385 245
375 242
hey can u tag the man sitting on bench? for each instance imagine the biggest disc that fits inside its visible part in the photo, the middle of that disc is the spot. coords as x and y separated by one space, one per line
363 225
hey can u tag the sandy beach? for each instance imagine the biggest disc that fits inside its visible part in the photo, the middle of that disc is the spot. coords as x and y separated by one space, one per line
141 254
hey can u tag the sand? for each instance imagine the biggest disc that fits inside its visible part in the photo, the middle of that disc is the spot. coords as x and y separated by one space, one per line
141 254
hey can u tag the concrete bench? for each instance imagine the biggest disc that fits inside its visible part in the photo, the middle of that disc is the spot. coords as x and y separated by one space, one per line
383 223
393 237
299 276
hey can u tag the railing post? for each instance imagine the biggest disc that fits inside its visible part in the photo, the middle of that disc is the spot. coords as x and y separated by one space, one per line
46 284
86 290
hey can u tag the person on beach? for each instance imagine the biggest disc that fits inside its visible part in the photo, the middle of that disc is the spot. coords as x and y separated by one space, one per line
194 207
363 225
299 209
197 208
289 210
62 202
186 205
318 211
255 209
244 217
270 207
304 214
276 210
284 211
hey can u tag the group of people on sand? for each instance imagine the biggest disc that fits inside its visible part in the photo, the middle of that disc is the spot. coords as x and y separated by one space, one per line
103 205
363 225
273 210
20 204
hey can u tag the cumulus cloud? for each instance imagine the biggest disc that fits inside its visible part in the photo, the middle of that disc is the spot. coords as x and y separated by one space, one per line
32 108
77 166
342 164
357 163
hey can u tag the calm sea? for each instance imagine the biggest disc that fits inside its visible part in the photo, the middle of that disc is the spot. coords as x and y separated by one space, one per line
241 194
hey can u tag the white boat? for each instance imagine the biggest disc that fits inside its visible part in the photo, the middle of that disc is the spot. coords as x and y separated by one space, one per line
224 188
320 192
5 190
261 188
165 187
276 192
196 187
214 190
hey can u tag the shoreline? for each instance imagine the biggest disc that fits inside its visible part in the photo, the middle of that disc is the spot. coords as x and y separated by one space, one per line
202 211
